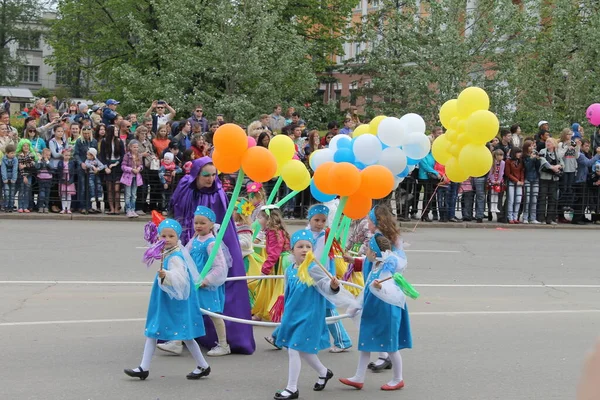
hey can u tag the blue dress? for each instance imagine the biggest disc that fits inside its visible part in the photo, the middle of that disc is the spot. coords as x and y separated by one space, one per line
211 299
303 326
383 327
170 319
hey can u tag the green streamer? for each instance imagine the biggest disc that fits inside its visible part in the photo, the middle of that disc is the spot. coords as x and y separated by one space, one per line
287 198
223 229
334 229
274 191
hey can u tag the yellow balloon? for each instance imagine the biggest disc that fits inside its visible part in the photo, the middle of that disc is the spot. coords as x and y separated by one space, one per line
472 99
448 111
475 159
282 148
439 149
461 125
361 130
454 172
454 150
451 135
482 126
295 175
463 139
375 124
454 123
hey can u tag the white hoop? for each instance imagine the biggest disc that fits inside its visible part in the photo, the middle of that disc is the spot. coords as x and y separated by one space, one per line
328 320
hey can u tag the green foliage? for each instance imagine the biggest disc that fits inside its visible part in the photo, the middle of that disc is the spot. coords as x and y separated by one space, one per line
43 92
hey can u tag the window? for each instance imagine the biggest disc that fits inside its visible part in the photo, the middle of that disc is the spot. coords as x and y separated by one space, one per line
63 77
30 41
30 73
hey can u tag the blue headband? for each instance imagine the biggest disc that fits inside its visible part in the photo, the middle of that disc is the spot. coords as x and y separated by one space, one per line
372 216
303 234
374 246
318 209
206 212
171 224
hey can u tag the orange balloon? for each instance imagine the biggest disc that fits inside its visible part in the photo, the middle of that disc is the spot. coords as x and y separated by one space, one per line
376 182
322 179
232 139
345 178
259 164
226 162
358 206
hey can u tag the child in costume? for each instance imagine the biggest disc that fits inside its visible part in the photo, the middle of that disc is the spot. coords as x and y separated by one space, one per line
277 246
302 330
257 196
173 312
382 221
252 261
384 320
317 220
211 294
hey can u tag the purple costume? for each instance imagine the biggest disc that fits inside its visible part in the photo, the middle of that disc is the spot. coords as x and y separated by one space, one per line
184 201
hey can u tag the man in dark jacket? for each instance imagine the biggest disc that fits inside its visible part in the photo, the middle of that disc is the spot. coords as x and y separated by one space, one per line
110 112
82 145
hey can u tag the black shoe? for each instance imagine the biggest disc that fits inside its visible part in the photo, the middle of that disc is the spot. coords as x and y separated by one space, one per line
580 222
425 219
467 219
142 374
320 386
435 217
204 372
443 220
453 219
480 220
293 395
490 217
387 364
403 219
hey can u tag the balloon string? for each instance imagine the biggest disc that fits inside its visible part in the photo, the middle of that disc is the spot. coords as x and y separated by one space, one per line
426 207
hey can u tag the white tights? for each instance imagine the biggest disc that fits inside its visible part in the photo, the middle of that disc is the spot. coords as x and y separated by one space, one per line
295 358
66 204
192 346
363 362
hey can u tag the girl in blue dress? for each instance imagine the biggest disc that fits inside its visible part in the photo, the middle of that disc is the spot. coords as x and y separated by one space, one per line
303 329
173 312
317 222
384 320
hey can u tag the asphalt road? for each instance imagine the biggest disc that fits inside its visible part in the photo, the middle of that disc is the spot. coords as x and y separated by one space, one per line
504 314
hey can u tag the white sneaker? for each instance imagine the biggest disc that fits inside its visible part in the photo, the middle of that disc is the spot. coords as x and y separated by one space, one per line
218 351
535 222
140 213
525 221
173 347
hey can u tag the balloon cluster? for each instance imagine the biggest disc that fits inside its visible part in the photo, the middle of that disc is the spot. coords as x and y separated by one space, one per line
235 150
593 114
369 165
470 125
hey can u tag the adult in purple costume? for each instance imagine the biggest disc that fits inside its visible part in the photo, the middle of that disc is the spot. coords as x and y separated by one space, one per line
197 189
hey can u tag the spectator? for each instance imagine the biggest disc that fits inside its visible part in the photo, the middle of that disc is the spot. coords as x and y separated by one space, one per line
173 148
94 188
313 143
46 118
542 126
276 120
436 132
264 122
263 139
577 131
10 172
131 178
541 138
151 164
12 131
66 180
198 146
442 192
159 117
112 151
515 174
531 163
37 143
82 146
580 186
468 195
348 127
299 141
99 133
353 115
166 174
44 178
551 168
516 136
147 122
6 104
110 112
96 115
125 133
183 138
57 144
496 180
83 113
73 134
326 139
479 186
505 143
220 119
333 128
568 152
428 179
595 138
161 141
199 118
255 129
27 159
288 115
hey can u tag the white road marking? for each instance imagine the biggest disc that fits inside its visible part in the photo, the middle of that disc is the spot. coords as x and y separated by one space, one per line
433 251
416 314
146 283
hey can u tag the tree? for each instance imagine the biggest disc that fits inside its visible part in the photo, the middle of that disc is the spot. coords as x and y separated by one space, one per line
420 54
20 23
234 57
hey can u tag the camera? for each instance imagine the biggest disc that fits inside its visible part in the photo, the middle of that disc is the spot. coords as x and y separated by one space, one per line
573 143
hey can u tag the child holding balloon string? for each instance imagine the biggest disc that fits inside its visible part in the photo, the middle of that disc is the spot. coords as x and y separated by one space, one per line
381 221
252 261
173 311
381 318
308 286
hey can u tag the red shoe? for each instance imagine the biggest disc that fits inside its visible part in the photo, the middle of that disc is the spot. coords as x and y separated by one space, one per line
511 222
396 387
355 385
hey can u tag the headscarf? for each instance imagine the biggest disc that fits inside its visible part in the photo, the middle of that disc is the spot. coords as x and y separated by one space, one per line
171 224
206 212
303 234
318 209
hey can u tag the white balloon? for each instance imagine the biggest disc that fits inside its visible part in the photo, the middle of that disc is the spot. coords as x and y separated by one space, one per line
390 131
393 159
333 142
416 145
397 182
367 149
319 157
413 123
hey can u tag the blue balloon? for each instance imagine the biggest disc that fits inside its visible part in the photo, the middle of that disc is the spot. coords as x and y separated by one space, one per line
344 143
410 161
343 155
404 173
360 165
318 195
